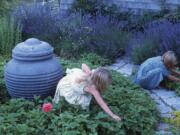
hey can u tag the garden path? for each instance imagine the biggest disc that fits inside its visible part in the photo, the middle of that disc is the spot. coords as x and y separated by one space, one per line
166 101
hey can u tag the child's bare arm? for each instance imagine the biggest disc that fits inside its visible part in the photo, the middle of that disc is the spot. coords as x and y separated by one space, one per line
102 103
173 78
87 72
86 69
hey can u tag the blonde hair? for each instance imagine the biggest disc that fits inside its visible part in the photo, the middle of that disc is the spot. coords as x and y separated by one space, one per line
101 78
169 58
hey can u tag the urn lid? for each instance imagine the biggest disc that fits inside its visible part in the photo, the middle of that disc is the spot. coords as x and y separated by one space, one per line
32 49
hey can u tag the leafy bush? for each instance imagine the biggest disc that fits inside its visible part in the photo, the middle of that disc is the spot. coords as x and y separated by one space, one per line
6 6
173 17
94 7
170 39
98 35
88 6
137 109
107 39
94 59
3 92
38 21
10 35
144 51
157 38
173 86
70 49
72 35
138 22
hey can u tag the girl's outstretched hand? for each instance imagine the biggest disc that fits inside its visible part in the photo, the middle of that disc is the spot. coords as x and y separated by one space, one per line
116 118
92 90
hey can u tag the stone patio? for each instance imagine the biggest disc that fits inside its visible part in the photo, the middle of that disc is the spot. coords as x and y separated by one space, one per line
167 101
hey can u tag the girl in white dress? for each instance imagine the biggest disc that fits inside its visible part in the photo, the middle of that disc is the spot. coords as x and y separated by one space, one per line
79 85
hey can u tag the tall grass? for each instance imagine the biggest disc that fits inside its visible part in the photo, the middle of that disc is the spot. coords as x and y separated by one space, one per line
10 35
6 6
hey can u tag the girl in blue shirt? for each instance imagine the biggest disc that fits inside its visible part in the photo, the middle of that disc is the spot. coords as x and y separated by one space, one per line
154 70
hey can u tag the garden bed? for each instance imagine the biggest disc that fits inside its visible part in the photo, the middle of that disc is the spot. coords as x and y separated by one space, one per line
138 111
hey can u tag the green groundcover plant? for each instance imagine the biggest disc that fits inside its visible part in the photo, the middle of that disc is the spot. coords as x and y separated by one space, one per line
18 116
173 86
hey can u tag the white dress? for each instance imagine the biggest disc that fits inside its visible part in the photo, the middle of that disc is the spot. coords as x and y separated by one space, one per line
73 91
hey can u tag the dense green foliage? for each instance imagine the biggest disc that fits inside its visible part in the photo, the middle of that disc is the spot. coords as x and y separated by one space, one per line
94 59
3 91
173 86
94 7
98 35
10 35
145 51
72 35
91 59
124 98
6 6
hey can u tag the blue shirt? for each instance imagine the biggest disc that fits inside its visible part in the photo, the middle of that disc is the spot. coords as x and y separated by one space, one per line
151 72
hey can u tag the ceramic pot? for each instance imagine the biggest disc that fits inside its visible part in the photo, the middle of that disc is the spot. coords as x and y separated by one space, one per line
33 70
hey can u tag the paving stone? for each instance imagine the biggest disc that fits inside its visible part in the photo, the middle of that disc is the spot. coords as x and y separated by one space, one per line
127 69
163 126
166 115
164 94
174 102
124 59
163 133
120 64
118 60
153 96
163 108
177 107
113 67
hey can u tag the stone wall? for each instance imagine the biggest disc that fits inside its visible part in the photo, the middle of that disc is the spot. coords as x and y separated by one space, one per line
135 5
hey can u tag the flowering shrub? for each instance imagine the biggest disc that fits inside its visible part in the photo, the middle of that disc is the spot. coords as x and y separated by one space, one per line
38 21
72 35
157 38
98 35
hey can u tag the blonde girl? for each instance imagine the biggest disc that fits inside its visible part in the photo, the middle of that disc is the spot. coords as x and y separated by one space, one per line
80 85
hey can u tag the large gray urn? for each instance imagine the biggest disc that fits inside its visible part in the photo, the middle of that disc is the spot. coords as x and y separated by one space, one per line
33 70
